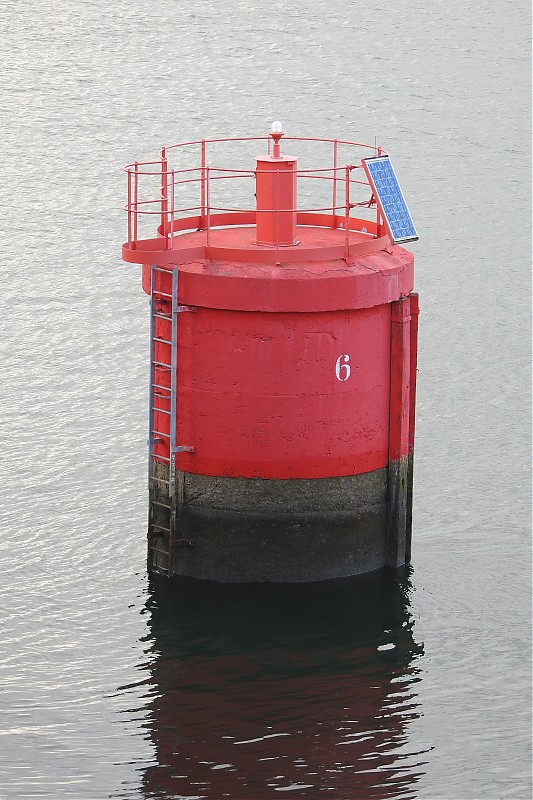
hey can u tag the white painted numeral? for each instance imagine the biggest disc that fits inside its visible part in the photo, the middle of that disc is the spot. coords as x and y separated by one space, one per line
342 368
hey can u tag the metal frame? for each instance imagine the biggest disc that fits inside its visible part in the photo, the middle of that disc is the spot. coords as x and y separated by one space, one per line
207 216
382 210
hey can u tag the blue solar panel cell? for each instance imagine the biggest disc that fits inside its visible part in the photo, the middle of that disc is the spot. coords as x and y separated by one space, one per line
386 188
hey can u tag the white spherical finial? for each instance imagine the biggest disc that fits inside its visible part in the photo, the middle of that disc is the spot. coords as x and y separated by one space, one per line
276 127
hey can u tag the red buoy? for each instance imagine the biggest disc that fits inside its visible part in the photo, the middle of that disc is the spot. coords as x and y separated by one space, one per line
283 367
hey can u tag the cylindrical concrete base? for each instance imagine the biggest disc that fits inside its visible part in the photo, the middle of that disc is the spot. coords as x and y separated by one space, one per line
252 529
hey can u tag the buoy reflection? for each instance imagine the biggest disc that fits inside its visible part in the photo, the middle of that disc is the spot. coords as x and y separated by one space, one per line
265 689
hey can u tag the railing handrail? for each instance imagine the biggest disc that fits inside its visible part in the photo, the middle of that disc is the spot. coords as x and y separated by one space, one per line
134 167
220 140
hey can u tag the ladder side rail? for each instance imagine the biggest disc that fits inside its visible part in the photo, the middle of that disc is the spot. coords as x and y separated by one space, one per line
151 400
173 422
151 420
173 375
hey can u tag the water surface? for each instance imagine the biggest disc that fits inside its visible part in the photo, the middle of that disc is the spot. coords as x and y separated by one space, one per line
110 686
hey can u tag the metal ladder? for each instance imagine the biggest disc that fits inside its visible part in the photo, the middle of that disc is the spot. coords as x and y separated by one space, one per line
165 493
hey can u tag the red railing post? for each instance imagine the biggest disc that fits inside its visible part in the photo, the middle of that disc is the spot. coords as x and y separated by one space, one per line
164 194
379 221
347 214
172 211
135 204
129 209
334 204
208 207
202 186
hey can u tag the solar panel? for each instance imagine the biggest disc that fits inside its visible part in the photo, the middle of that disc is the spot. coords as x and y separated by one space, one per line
392 205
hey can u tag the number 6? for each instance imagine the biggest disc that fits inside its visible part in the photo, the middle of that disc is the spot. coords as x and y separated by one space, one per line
340 365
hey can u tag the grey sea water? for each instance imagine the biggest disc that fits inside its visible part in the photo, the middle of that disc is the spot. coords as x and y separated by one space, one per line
112 686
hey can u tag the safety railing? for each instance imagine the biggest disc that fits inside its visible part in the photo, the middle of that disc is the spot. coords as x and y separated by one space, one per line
155 189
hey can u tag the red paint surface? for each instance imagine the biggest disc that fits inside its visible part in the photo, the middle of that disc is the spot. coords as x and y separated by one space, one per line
258 393
259 396
275 191
404 328
238 244
413 353
327 285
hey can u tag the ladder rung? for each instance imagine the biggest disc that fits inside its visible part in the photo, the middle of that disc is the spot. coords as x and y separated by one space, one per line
159 480
163 505
161 410
161 269
164 316
160 528
161 458
161 294
159 433
162 341
161 364
158 386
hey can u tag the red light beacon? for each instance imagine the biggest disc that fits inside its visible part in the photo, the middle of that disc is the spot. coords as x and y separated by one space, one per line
282 359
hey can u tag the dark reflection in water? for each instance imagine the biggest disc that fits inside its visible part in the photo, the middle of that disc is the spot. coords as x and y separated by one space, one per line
267 689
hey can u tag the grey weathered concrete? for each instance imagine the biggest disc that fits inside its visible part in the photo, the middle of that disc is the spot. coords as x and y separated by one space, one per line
246 529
